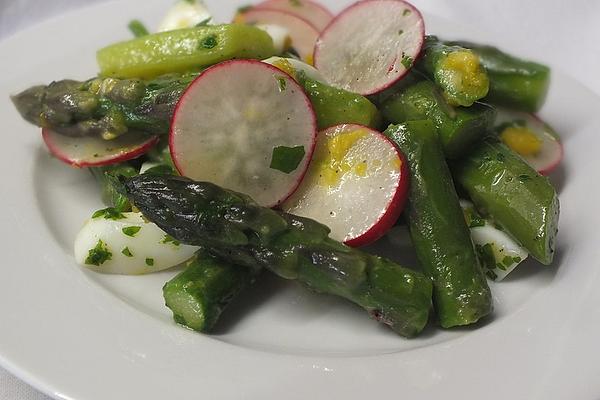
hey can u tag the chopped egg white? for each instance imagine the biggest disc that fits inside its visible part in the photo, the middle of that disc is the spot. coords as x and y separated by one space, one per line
184 14
128 246
498 253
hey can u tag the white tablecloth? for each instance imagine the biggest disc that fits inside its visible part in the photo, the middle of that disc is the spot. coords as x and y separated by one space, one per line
566 34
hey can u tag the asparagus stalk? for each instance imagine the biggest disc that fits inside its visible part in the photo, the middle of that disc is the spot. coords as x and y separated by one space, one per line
199 294
234 228
106 107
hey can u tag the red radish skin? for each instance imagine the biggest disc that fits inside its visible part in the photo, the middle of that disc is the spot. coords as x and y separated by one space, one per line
560 155
313 12
303 34
97 154
330 205
309 119
372 76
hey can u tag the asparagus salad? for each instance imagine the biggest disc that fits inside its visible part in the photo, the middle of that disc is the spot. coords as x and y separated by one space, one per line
288 139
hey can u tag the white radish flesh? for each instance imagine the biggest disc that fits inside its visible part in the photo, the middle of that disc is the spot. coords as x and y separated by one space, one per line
93 151
232 123
370 45
185 14
356 184
311 11
302 34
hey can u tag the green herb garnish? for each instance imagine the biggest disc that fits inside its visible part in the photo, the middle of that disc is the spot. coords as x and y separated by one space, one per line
296 3
137 28
150 262
407 62
282 83
486 255
209 42
127 252
203 22
109 213
169 239
98 255
131 230
406 12
286 159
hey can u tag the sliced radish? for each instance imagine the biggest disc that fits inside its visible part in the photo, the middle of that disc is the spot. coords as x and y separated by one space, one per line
302 33
357 184
247 126
315 13
94 151
370 45
293 67
533 139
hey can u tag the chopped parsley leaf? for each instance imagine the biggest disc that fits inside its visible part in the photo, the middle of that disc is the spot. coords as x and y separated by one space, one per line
282 83
203 22
407 62
98 255
287 159
209 42
126 252
169 239
109 213
131 230
150 262
406 12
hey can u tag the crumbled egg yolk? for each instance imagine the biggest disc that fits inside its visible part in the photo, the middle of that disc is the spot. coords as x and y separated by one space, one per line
310 60
464 69
331 160
521 140
285 66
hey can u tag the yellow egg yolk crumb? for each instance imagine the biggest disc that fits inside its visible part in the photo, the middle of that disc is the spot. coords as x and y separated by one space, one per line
464 70
332 161
521 140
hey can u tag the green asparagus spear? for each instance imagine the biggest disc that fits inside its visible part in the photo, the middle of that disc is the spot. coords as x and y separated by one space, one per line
231 226
199 294
456 70
183 50
438 229
503 186
514 83
337 106
104 107
458 127
111 193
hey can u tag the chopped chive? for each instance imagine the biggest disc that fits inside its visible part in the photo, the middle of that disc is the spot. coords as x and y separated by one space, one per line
150 262
131 230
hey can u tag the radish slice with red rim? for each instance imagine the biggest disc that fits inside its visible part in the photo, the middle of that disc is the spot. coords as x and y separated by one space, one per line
302 33
247 126
533 139
315 13
370 45
93 151
357 184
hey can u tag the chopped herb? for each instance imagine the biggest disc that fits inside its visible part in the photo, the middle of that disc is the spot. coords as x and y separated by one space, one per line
476 222
131 230
296 3
109 213
204 22
400 32
150 262
491 274
501 267
137 28
407 62
98 255
486 255
517 260
243 9
169 239
406 12
209 42
507 261
127 252
282 83
286 159
192 2
524 178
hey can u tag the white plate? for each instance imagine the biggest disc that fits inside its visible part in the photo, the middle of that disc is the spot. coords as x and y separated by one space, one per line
75 334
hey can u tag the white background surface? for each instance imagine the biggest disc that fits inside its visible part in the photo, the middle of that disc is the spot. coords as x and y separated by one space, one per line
560 33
